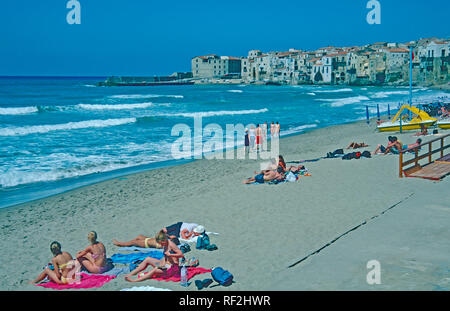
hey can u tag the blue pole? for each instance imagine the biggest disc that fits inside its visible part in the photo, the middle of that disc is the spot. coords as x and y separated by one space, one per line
367 114
389 112
378 112
410 79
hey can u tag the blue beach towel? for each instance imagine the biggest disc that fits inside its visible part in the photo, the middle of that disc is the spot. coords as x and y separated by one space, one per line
132 257
138 249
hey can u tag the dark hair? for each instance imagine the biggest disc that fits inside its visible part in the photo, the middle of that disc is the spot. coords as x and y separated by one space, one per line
55 248
419 140
282 160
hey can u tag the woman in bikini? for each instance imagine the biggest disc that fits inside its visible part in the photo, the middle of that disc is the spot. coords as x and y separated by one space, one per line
93 257
168 266
63 268
357 145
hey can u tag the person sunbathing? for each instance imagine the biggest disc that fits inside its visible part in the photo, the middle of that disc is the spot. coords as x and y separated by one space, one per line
416 144
63 268
444 112
281 168
264 176
393 146
355 145
423 131
296 169
167 266
93 257
180 229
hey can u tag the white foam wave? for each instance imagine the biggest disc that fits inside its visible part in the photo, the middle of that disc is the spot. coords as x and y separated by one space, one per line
387 93
115 107
335 91
297 129
140 96
235 91
34 129
18 110
338 102
311 93
213 113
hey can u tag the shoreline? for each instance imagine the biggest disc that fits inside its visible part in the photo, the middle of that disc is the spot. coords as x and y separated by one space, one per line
250 219
91 179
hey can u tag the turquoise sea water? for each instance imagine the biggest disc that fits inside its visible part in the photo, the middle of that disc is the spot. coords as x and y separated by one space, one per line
61 133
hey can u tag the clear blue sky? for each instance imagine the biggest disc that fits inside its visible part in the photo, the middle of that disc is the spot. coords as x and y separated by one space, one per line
147 37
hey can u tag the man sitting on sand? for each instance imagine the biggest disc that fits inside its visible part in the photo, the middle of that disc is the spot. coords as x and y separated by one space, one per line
180 229
264 176
393 146
168 266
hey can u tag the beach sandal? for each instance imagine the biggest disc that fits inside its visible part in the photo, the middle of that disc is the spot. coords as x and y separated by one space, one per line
203 284
211 247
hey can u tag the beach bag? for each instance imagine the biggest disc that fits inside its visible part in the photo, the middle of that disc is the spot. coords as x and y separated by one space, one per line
222 276
291 177
202 241
366 154
349 156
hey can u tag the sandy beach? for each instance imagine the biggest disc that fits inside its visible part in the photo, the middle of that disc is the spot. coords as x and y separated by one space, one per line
263 229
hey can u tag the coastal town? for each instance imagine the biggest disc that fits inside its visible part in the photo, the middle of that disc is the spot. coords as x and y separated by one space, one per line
381 63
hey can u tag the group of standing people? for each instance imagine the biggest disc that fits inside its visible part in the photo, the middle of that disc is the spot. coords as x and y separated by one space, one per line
255 138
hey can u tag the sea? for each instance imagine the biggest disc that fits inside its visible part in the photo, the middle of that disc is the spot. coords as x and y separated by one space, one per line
60 133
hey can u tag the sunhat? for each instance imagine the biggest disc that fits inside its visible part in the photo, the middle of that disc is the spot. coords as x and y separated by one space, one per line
199 229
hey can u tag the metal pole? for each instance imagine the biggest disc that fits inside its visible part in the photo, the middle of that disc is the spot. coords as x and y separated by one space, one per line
367 114
378 112
389 112
400 118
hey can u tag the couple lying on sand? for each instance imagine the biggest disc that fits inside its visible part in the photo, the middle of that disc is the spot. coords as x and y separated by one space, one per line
182 230
275 171
63 268
395 146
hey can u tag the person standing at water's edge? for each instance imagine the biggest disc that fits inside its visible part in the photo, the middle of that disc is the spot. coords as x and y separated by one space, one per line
277 129
252 138
258 136
246 141
264 135
272 129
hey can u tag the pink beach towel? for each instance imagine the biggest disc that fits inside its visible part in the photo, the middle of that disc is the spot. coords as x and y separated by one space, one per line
174 275
85 281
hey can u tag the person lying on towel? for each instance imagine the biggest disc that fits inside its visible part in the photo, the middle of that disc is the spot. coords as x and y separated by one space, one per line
184 230
264 176
167 266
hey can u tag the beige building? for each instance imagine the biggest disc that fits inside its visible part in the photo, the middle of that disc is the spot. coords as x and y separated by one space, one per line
213 66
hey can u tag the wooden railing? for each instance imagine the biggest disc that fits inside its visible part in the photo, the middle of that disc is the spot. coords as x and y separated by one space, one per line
416 158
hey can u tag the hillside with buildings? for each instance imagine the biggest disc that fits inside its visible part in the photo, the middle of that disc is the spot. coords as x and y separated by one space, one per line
380 63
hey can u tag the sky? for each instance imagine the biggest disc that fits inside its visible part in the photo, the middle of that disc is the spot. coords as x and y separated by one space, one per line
148 37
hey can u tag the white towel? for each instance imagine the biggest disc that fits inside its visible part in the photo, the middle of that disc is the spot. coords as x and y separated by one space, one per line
146 289
194 238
